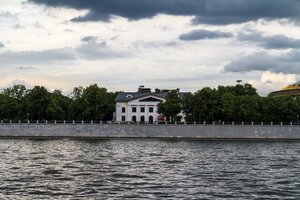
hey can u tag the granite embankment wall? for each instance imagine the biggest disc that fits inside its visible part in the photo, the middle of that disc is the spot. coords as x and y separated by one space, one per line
152 131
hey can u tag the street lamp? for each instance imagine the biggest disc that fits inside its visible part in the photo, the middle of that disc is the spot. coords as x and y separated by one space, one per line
27 116
297 119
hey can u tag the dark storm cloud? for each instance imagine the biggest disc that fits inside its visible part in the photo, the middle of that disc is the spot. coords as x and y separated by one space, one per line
262 61
269 42
202 34
205 11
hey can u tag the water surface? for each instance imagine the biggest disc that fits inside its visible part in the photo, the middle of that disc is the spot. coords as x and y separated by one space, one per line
148 169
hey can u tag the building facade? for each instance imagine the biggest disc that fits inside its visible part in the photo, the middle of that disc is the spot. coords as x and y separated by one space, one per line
290 90
140 106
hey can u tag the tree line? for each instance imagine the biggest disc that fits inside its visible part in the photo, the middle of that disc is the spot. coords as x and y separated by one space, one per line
89 103
230 103
224 103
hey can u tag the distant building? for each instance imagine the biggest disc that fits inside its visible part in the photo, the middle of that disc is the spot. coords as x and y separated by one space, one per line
140 106
290 90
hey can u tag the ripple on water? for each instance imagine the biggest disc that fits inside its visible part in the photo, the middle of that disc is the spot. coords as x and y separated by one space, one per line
151 169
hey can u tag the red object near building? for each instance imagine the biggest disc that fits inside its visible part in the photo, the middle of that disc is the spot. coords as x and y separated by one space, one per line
161 119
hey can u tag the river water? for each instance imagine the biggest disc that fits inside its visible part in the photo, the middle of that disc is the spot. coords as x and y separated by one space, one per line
148 169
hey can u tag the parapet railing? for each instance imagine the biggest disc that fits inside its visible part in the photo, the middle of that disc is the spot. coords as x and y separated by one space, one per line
215 123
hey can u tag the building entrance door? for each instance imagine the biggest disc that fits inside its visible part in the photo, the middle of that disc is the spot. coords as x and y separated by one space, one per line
142 119
150 119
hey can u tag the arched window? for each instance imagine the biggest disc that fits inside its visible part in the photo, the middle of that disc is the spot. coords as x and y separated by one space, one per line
150 119
134 118
142 118
123 109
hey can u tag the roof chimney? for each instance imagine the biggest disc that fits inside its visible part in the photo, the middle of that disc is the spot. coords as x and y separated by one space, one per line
142 89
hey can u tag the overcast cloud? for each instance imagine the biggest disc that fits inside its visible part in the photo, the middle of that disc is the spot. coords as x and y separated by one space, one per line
121 44
206 11
87 51
263 61
270 42
202 34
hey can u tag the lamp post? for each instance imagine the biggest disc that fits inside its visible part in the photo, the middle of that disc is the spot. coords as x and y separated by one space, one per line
27 116
297 119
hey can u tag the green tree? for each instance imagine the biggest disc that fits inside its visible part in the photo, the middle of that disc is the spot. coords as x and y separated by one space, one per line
12 102
76 107
92 103
59 106
228 106
187 106
172 106
207 105
37 102
95 102
8 107
248 108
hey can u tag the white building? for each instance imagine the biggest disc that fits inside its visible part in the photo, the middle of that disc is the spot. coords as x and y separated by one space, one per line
140 106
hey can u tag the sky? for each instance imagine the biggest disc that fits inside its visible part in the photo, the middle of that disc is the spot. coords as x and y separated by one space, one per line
121 44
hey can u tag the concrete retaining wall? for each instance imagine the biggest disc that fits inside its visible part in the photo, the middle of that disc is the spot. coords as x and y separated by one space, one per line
154 131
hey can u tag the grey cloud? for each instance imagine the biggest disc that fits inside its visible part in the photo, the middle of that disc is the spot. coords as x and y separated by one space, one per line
204 34
38 25
69 30
89 39
235 19
18 26
205 11
34 57
96 51
262 61
269 42
1 45
86 51
25 68
8 15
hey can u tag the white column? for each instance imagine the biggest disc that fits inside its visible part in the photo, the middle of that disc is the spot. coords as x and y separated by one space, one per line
146 113
129 109
138 113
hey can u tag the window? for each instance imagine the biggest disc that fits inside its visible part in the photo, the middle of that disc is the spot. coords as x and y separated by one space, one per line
123 109
142 119
123 118
142 109
151 109
133 109
134 118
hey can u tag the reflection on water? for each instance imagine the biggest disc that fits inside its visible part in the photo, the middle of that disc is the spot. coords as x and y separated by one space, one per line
153 169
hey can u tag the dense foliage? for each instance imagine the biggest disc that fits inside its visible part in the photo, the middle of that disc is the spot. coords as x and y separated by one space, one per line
225 103
171 107
90 103
236 103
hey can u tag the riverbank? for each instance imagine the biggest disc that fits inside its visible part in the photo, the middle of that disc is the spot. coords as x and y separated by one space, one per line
196 132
